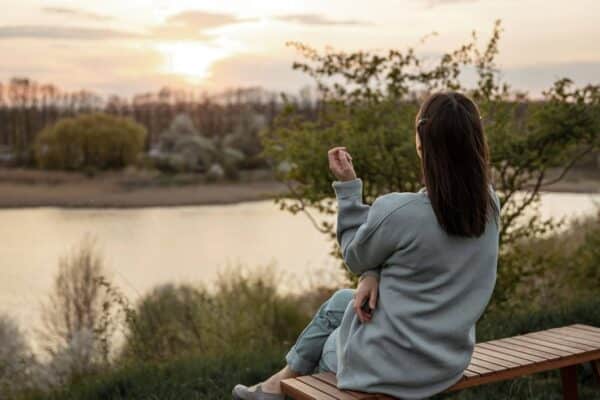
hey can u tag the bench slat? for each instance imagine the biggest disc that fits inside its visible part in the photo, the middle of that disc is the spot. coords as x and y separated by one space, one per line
479 370
477 354
518 360
544 342
527 350
301 391
469 374
592 329
556 338
485 364
329 377
326 387
534 346
579 333
514 351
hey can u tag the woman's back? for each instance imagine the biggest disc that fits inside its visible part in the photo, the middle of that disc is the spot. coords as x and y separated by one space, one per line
433 288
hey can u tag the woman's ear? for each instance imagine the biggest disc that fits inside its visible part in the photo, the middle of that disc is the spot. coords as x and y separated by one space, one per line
418 146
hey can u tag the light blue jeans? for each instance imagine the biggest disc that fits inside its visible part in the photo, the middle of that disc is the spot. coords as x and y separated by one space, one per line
315 348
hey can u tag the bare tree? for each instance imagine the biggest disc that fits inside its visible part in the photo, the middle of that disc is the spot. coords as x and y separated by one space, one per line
80 317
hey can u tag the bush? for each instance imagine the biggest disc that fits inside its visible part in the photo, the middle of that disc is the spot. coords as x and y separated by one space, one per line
88 142
207 377
80 319
243 312
193 378
16 360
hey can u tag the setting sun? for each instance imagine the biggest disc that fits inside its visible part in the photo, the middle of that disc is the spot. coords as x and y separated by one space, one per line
191 60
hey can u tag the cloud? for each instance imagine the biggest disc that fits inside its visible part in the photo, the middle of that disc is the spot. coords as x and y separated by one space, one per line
193 24
62 32
316 19
435 3
74 12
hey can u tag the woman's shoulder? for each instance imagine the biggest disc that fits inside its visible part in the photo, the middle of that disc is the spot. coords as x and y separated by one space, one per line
397 202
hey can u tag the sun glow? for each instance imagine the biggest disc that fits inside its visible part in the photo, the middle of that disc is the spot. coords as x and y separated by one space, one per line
191 60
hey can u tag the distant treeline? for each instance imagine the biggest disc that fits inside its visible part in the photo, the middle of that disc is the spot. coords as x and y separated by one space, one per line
26 107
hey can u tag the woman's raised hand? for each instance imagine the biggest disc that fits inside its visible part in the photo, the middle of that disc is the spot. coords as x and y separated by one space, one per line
340 164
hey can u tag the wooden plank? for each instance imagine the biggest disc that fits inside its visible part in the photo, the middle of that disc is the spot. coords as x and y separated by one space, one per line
482 355
580 331
516 351
326 387
526 343
485 364
568 377
517 360
545 342
572 332
469 374
530 349
588 328
562 340
571 341
301 391
549 365
477 369
329 378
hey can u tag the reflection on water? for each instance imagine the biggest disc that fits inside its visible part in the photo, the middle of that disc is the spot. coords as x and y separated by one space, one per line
150 246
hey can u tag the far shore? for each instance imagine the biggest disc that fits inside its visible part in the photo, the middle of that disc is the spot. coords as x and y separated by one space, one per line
33 188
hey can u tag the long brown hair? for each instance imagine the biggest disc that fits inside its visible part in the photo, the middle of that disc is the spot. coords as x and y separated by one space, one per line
455 163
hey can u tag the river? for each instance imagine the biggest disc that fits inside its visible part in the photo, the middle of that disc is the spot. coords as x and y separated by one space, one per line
146 247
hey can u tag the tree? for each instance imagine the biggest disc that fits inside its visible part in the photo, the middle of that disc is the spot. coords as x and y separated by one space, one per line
81 315
91 141
368 102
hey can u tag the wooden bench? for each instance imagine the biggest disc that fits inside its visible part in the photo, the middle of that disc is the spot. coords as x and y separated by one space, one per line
497 360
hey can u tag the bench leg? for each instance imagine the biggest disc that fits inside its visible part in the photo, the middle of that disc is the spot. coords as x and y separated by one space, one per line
568 375
596 370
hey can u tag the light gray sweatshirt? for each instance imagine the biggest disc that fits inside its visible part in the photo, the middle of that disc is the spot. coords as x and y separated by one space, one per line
433 288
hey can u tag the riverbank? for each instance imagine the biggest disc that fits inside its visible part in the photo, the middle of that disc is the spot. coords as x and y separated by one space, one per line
135 189
130 189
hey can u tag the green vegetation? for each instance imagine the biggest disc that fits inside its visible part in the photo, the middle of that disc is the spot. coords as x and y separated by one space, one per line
239 313
190 342
90 142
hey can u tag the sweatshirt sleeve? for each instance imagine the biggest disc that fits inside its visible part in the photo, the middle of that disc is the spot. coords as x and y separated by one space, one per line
364 239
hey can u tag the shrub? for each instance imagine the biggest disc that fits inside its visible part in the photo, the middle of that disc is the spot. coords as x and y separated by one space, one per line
193 378
80 317
207 377
91 141
242 312
16 359
182 148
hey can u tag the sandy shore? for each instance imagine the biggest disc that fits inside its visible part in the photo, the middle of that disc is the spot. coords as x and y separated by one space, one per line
32 188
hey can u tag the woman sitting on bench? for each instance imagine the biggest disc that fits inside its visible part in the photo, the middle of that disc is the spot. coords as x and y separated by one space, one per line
427 265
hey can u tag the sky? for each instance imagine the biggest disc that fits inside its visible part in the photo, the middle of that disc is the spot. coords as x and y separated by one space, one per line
132 46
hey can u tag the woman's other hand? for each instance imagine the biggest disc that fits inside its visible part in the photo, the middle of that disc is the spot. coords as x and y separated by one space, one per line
340 164
367 290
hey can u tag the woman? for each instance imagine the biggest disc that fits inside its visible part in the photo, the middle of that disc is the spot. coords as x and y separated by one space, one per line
427 266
